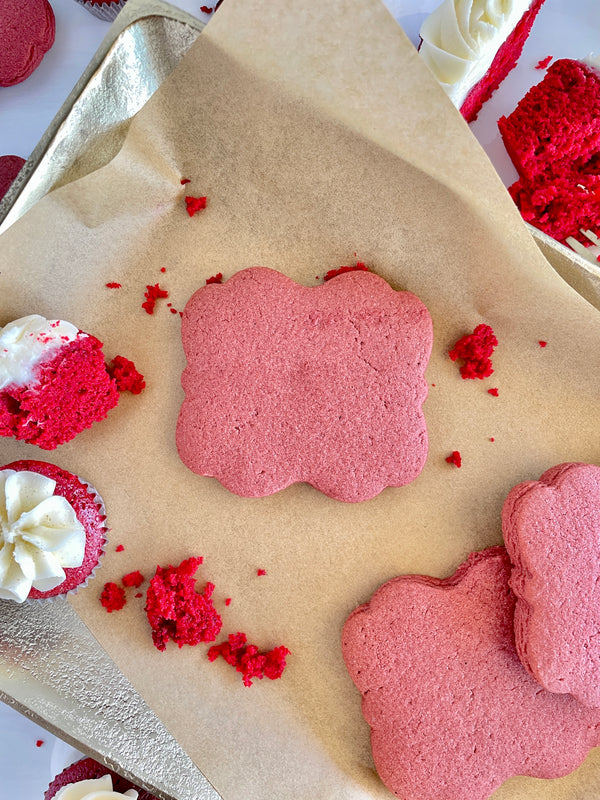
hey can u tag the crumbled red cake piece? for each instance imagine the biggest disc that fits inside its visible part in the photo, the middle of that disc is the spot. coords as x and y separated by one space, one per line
493 392
542 343
176 611
39 743
152 294
195 204
228 601
248 660
454 458
119 548
112 597
113 285
125 375
261 572
139 594
218 278
134 579
183 181
475 351
544 62
53 408
359 266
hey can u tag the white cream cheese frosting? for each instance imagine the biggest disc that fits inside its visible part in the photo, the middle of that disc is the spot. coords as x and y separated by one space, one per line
93 789
460 40
39 535
28 341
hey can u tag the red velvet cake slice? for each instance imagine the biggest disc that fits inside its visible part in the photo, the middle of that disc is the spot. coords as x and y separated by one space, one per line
553 139
53 381
453 712
552 532
472 45
286 383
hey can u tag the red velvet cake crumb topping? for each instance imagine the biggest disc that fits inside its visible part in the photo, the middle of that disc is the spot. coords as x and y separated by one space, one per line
125 375
454 458
152 294
475 351
333 273
134 579
248 660
195 204
112 597
176 611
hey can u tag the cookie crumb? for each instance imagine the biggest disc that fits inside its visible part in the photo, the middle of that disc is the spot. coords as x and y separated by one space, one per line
119 548
454 458
542 343
113 285
475 351
248 660
112 597
134 579
126 376
218 278
261 572
152 294
195 204
493 392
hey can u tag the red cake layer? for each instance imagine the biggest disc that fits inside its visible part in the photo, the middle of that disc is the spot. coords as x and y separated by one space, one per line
88 510
88 769
71 391
505 60
553 139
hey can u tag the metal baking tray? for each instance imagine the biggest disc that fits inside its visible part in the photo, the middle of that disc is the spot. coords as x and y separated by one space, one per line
51 667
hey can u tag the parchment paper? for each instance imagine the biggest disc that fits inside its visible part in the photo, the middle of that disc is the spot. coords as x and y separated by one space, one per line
319 139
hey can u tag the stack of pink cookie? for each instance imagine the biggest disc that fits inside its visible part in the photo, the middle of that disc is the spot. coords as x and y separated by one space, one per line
492 672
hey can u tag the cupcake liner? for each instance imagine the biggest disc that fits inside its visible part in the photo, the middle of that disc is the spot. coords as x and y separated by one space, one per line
106 11
99 502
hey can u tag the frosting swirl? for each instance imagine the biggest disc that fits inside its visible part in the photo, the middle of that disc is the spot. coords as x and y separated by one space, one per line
461 37
93 789
39 535
26 342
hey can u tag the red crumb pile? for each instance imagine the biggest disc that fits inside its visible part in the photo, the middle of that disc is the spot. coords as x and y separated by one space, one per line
112 597
248 660
134 579
125 375
194 204
333 273
152 294
475 351
454 458
176 611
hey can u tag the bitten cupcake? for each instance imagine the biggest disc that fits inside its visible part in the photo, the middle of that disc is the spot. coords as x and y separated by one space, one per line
103 9
89 780
54 382
52 531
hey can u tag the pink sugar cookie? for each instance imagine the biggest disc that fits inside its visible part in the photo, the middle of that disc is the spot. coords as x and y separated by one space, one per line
286 383
453 712
552 533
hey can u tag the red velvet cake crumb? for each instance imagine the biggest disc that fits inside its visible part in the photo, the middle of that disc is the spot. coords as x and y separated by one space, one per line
119 548
544 62
125 375
248 660
475 351
176 611
333 273
218 278
152 294
112 597
493 392
183 181
228 601
195 204
134 579
542 343
261 572
454 458
39 743
113 285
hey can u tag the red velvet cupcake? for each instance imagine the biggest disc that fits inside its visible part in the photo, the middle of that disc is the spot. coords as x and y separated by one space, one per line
52 531
103 9
100 778
53 381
